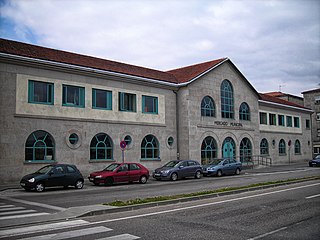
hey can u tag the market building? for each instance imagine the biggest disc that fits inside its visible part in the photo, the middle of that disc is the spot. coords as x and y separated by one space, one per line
58 106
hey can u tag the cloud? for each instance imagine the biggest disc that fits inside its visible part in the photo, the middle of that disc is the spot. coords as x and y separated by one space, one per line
275 42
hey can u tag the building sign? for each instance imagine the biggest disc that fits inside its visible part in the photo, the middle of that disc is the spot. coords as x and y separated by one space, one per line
231 124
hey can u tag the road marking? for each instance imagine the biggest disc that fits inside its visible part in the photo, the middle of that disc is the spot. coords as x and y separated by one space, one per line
41 228
7 206
71 234
273 173
23 216
267 234
204 205
35 204
314 196
17 212
120 237
11 209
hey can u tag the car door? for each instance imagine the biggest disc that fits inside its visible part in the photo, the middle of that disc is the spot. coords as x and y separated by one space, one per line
134 172
183 169
57 177
226 166
233 166
192 168
71 175
122 174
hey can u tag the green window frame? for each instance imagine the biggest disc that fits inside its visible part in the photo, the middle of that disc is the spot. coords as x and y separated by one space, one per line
149 104
289 121
282 148
127 102
40 92
101 99
245 150
307 123
264 147
209 150
150 148
40 147
244 112
297 147
272 119
73 96
227 100
296 122
281 120
263 118
101 147
208 107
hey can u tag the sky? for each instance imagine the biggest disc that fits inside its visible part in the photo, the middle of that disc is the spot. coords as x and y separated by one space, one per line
274 43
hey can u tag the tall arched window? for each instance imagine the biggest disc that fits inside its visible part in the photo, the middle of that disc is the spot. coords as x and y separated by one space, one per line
101 147
227 102
39 147
264 147
245 150
208 150
282 147
150 148
297 147
229 148
244 112
207 107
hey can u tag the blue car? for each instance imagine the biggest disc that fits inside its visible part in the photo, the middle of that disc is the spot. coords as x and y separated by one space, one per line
219 167
315 162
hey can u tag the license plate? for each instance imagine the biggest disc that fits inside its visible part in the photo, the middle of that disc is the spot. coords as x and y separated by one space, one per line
157 174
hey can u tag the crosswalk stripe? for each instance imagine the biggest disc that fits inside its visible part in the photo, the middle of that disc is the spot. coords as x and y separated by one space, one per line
121 237
71 234
23 216
6 206
11 209
41 228
17 212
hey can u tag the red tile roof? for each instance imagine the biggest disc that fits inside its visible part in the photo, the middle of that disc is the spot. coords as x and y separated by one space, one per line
269 98
275 94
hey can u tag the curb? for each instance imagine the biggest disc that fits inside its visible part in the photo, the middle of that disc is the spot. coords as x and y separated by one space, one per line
188 199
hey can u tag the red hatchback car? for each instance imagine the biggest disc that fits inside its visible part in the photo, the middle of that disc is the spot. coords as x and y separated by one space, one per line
120 172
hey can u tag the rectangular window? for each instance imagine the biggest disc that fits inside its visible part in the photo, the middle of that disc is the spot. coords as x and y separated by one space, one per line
73 96
263 118
149 104
101 99
318 131
272 119
318 116
40 92
281 120
317 100
296 121
307 123
289 121
127 102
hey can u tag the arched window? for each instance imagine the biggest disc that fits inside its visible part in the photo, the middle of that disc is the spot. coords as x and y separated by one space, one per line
264 147
208 150
282 147
244 112
207 107
229 148
101 147
150 148
227 102
39 147
297 147
245 150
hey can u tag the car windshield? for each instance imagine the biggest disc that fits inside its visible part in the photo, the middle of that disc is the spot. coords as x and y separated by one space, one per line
45 169
111 167
216 161
171 163
317 157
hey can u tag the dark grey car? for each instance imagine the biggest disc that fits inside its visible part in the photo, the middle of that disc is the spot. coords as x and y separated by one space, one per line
178 169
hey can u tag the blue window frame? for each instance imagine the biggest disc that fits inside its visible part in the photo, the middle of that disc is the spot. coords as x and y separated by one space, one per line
208 150
245 150
282 147
244 112
150 148
101 147
296 121
127 102
101 99
227 100
297 147
39 147
149 104
281 120
264 147
40 92
207 107
73 96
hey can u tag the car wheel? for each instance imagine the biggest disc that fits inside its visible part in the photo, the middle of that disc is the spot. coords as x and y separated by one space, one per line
219 173
108 181
237 171
40 187
174 177
143 179
198 175
79 184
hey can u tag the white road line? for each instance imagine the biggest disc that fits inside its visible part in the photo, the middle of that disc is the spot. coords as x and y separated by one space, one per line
23 216
71 234
267 234
11 209
7 206
17 212
41 228
314 196
120 237
35 204
205 204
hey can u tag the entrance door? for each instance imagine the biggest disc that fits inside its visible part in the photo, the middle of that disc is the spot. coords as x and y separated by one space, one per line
228 148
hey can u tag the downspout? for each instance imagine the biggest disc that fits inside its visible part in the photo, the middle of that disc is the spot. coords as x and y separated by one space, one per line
177 123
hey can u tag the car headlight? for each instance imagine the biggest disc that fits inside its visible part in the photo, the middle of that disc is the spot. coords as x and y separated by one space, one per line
99 176
166 171
31 180
212 168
